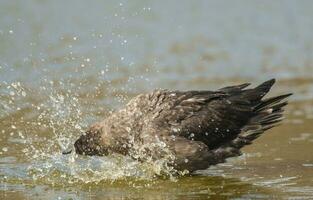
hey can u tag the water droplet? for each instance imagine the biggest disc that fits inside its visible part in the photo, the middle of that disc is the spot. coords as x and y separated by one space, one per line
20 134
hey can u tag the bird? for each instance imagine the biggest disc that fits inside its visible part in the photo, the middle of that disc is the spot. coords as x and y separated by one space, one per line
192 129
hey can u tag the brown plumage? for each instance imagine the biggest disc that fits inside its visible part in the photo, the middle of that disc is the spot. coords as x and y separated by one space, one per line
197 128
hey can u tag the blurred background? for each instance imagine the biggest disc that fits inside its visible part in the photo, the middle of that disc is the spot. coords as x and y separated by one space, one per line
66 64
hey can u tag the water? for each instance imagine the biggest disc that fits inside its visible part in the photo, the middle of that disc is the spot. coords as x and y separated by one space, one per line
65 65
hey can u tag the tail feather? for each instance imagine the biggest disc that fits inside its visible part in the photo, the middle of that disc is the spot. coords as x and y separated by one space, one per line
266 86
268 114
235 88
272 102
257 93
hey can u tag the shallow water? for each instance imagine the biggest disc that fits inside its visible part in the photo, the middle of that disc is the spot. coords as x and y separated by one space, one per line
65 65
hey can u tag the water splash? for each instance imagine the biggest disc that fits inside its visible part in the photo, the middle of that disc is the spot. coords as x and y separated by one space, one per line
57 117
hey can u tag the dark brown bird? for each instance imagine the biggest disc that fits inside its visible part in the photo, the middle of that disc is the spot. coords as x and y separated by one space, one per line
193 129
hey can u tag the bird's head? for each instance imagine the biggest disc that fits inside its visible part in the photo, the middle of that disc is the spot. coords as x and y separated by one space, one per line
90 144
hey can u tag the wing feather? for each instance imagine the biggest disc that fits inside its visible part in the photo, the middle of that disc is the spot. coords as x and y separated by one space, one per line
213 118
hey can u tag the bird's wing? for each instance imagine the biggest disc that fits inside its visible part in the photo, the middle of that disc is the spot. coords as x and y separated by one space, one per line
213 118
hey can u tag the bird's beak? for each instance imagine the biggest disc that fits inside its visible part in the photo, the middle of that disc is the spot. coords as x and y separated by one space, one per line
67 151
